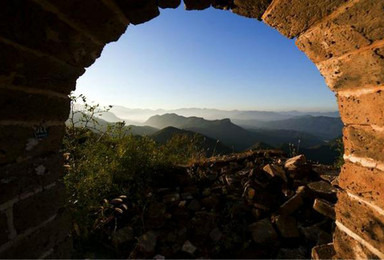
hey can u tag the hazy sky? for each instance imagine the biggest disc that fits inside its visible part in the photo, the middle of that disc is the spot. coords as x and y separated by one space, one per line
206 59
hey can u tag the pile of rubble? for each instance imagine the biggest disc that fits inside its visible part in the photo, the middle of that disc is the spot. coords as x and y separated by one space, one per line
250 205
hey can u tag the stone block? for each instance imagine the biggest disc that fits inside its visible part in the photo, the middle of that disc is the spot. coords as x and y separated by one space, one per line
21 106
361 219
197 4
354 70
287 226
350 30
169 3
367 183
326 251
39 208
25 69
21 142
28 24
250 8
263 232
364 141
292 17
93 17
139 11
29 176
348 248
41 241
325 208
364 109
223 4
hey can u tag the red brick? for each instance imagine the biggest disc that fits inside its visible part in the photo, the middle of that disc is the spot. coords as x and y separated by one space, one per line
139 11
348 31
39 242
31 212
21 106
250 8
361 219
22 68
26 23
18 142
94 17
197 4
169 3
28 176
363 141
366 183
292 17
348 248
354 70
364 109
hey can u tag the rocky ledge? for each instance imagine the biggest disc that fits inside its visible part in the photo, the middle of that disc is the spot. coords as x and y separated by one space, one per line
249 205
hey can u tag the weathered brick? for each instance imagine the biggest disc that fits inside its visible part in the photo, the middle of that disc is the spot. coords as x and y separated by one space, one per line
348 31
18 142
139 11
222 4
26 23
292 17
94 17
22 68
42 240
250 8
348 248
367 183
363 109
18 105
3 228
169 3
363 141
197 4
30 175
354 70
361 219
38 208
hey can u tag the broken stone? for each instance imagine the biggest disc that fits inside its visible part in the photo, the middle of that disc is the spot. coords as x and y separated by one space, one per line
291 205
287 226
315 235
323 189
172 197
215 234
147 242
326 251
194 205
188 247
122 236
325 208
263 232
292 253
275 171
297 166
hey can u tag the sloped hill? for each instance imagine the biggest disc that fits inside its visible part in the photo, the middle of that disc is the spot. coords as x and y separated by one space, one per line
224 130
321 126
210 145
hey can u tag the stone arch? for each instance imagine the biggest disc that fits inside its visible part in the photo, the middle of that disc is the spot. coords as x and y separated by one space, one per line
45 46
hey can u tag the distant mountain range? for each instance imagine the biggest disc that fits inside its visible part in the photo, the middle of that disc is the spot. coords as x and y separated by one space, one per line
310 133
141 115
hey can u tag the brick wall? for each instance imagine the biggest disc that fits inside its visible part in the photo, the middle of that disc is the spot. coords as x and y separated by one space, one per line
45 46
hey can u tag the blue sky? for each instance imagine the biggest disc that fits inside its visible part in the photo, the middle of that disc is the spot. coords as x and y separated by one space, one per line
206 59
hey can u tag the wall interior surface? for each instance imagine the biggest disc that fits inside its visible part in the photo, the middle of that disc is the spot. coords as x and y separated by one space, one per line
46 44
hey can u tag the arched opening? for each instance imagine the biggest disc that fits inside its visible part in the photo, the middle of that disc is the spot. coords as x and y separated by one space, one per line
47 45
